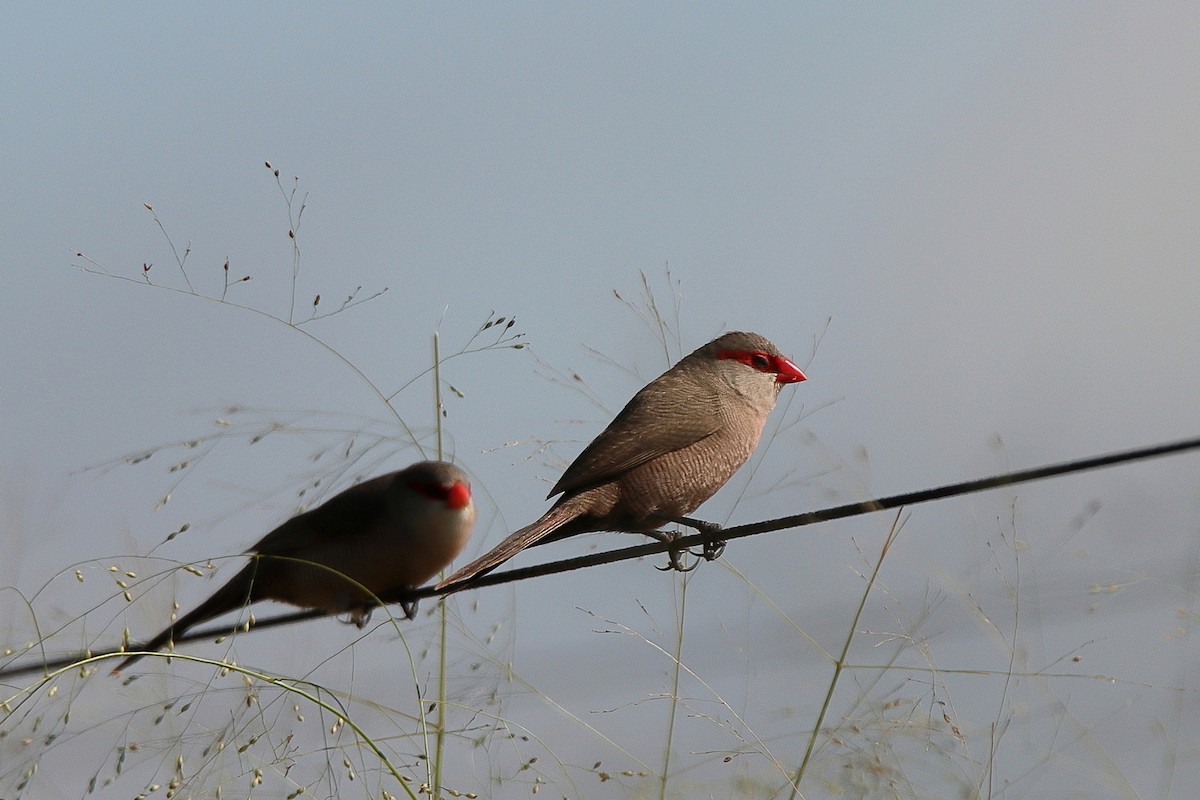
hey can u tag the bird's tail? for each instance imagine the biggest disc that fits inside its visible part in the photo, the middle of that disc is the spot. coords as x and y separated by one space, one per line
239 591
536 533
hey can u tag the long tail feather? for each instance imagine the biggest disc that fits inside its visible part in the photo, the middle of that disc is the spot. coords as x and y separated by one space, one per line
239 591
532 534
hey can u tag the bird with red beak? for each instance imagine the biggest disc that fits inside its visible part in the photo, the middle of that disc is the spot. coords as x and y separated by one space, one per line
671 448
380 538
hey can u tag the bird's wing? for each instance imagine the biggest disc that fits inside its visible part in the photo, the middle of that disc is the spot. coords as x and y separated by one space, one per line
662 418
354 512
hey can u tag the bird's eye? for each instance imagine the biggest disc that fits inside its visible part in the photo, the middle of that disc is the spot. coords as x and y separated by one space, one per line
760 360
456 495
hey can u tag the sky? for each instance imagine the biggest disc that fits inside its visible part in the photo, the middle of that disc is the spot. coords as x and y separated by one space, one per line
975 228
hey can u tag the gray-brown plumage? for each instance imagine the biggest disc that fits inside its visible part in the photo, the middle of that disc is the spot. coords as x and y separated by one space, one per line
383 536
671 448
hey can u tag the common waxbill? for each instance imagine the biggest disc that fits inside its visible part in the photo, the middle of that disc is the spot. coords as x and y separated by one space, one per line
671 448
383 536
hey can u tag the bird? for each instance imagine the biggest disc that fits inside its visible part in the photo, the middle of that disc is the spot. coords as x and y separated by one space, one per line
675 443
384 536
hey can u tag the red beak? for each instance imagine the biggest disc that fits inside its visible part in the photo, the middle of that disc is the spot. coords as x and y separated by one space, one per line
786 371
458 496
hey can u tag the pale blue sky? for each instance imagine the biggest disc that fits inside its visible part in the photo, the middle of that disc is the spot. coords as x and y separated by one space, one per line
987 214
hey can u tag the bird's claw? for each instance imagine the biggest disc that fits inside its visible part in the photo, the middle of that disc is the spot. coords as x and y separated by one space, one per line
358 617
713 550
409 607
361 615
675 561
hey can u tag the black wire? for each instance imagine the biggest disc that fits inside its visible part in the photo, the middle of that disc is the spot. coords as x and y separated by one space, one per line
694 540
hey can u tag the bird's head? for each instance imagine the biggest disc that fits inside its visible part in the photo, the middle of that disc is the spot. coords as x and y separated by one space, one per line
444 483
751 360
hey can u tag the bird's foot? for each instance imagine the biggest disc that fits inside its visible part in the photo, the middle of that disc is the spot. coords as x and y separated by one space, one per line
714 547
358 617
402 595
675 561
409 607
713 550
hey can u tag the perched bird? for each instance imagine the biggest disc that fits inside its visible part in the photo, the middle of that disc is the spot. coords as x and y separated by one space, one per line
671 448
383 536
